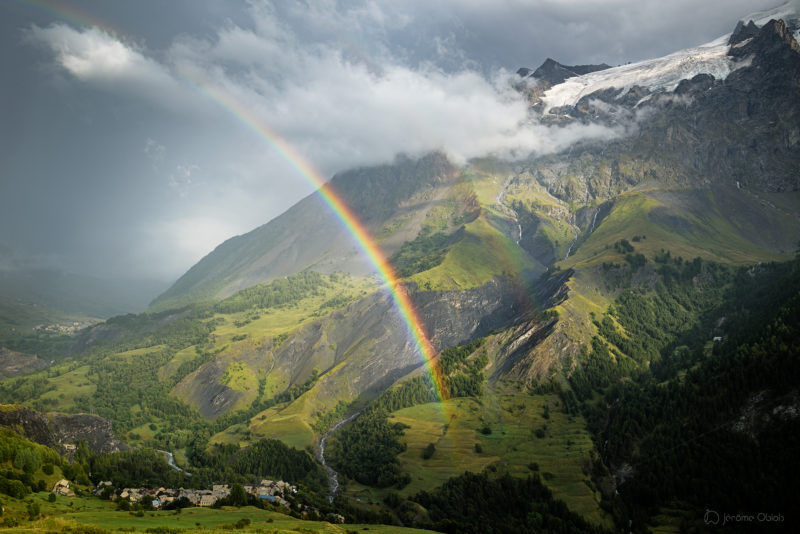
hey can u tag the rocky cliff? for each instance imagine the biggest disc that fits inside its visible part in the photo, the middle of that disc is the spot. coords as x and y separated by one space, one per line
360 349
741 130
14 363
55 429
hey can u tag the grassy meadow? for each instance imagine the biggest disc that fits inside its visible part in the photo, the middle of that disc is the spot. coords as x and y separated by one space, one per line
498 433
94 516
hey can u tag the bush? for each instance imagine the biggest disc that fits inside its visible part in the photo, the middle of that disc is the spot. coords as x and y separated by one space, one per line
403 481
428 451
478 448
33 511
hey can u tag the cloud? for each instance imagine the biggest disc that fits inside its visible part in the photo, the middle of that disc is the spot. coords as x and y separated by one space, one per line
97 57
347 83
344 109
190 236
522 33
324 96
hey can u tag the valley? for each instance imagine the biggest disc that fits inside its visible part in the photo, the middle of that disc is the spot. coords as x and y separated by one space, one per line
595 339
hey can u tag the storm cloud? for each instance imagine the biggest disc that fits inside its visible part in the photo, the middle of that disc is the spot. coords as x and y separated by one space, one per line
124 163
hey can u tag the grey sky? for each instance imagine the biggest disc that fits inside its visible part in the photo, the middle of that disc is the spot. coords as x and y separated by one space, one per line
114 160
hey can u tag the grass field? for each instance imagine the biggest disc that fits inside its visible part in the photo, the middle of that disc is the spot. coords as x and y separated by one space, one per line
68 513
689 232
181 356
275 321
144 432
481 255
288 422
68 387
563 453
243 336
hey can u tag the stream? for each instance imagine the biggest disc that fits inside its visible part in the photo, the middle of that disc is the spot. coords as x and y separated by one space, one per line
569 250
333 476
500 200
594 220
171 462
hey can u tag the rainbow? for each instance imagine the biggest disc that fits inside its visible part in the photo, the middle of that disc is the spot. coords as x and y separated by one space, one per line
307 171
351 222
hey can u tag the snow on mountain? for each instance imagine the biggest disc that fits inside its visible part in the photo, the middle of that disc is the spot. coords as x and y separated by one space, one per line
661 73
664 73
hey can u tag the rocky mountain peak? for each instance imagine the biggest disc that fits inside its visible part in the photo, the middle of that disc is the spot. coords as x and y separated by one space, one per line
554 72
773 37
773 52
742 32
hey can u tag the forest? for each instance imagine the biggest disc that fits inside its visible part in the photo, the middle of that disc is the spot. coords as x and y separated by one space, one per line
476 504
697 396
425 252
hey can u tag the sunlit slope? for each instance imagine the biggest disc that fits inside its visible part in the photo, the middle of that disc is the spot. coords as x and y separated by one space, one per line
725 225
355 353
309 235
621 241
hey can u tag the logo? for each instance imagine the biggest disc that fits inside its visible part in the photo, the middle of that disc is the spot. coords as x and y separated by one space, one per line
711 517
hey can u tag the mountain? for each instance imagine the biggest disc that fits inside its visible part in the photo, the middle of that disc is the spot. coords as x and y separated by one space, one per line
700 175
554 73
615 325
309 236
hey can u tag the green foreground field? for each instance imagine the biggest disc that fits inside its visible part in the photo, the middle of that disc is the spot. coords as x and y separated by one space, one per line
76 512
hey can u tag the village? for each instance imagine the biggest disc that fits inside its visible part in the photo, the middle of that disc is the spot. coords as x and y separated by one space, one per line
69 328
268 490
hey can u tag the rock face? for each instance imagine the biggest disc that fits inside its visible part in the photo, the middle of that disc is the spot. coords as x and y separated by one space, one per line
360 349
742 131
14 363
54 429
554 72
